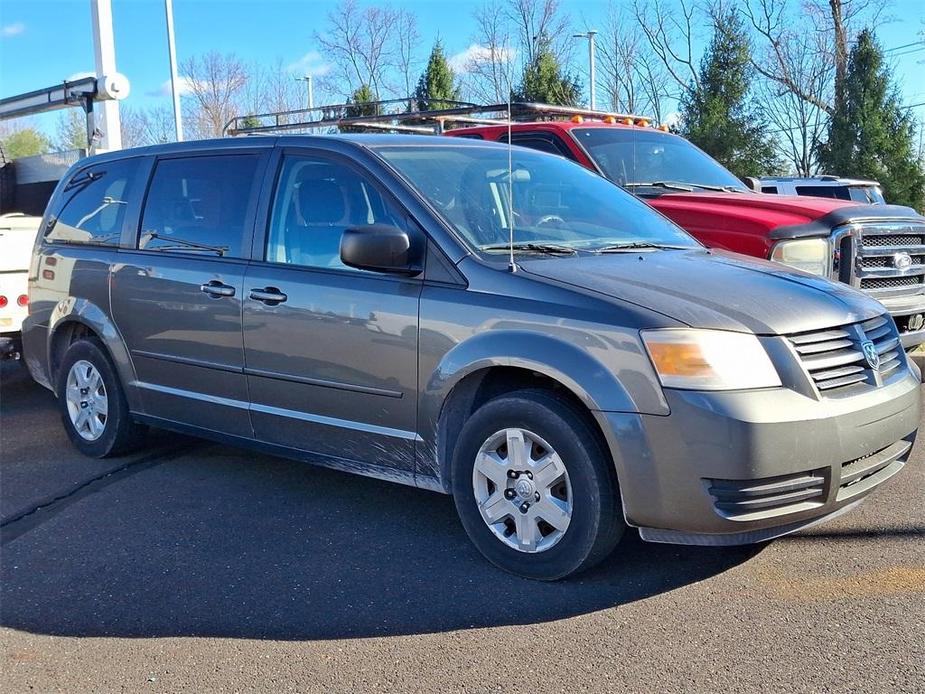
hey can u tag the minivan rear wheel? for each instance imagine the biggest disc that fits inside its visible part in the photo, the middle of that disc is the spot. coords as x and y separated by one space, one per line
93 407
533 487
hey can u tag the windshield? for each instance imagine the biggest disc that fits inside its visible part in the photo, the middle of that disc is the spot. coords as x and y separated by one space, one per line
558 206
633 156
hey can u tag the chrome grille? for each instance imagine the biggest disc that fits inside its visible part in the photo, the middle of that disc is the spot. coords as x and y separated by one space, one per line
835 360
881 266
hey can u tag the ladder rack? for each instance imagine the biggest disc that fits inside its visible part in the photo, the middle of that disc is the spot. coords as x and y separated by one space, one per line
392 115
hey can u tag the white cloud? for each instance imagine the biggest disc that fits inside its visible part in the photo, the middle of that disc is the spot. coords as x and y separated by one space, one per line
14 29
310 64
184 86
80 75
462 62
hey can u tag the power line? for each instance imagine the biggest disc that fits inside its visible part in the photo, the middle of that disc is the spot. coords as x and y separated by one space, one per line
905 45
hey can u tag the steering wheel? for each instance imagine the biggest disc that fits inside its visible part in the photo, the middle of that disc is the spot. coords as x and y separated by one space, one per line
547 219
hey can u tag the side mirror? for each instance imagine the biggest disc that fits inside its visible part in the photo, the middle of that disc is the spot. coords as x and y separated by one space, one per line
753 183
380 248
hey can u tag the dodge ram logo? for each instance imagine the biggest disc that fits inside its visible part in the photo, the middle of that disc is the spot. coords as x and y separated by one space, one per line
902 261
870 353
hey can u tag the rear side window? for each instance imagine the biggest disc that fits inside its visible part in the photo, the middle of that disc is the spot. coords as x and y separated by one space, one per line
837 192
200 205
543 143
93 204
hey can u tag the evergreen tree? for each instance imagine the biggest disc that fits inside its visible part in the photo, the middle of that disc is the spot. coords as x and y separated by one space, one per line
717 114
362 103
543 81
437 85
870 134
24 143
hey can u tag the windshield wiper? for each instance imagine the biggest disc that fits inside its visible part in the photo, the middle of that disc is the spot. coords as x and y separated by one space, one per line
686 187
221 250
689 188
550 248
636 245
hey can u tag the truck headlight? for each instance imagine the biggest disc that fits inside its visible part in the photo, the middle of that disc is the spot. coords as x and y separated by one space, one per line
709 359
809 255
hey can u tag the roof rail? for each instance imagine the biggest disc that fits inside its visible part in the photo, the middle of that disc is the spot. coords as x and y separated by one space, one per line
395 115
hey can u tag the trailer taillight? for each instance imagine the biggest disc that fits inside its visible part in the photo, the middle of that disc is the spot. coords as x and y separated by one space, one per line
3 301
23 300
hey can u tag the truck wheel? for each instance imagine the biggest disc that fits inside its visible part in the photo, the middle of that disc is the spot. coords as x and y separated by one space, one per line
92 402
534 488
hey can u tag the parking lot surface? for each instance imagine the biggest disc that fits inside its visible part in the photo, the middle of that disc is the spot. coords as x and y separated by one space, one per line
196 567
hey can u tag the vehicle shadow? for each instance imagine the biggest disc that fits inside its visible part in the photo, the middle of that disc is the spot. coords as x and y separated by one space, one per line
216 542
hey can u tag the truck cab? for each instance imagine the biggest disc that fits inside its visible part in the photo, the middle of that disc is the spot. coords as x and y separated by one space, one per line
879 249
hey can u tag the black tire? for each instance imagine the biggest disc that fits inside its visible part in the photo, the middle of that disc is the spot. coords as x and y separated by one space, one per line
596 524
121 434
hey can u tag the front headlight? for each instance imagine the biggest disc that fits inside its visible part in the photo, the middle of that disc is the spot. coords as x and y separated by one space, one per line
809 255
709 359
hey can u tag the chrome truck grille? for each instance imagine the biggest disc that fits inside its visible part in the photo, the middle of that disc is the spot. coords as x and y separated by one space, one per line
885 260
836 361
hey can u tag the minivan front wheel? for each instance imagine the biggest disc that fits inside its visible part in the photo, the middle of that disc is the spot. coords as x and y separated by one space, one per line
93 407
533 487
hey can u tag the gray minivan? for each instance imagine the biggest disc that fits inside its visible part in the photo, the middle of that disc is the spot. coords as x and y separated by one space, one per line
502 325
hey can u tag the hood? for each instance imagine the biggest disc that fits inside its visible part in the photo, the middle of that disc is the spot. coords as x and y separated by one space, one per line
713 289
743 210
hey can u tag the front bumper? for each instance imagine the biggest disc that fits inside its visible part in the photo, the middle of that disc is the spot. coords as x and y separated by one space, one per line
747 466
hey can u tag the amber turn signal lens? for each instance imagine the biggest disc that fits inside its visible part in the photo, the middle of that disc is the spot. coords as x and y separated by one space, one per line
679 360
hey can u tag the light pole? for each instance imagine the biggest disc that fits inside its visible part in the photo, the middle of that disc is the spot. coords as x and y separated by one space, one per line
308 85
590 36
174 86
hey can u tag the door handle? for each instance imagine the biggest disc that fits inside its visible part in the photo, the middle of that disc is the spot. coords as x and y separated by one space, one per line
217 289
271 296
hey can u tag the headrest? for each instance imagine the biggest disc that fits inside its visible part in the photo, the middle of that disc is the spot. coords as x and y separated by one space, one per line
321 202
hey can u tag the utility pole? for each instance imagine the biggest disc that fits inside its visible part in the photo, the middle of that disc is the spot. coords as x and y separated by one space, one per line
308 85
591 86
174 86
103 117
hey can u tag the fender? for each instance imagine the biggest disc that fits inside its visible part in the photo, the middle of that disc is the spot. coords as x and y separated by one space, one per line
597 386
74 309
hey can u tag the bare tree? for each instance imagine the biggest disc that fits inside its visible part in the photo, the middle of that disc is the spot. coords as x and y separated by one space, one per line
541 21
407 40
669 31
271 89
631 76
216 83
149 126
830 23
487 71
359 42
800 122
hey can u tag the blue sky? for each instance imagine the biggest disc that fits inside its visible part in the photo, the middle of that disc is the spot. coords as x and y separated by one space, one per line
45 41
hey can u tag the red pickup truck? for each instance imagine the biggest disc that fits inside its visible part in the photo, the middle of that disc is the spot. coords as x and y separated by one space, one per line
879 249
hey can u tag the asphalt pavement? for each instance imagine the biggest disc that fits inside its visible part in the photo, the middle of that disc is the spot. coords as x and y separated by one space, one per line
196 567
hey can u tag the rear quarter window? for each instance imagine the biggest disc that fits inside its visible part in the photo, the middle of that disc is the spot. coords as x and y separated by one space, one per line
93 204
837 192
